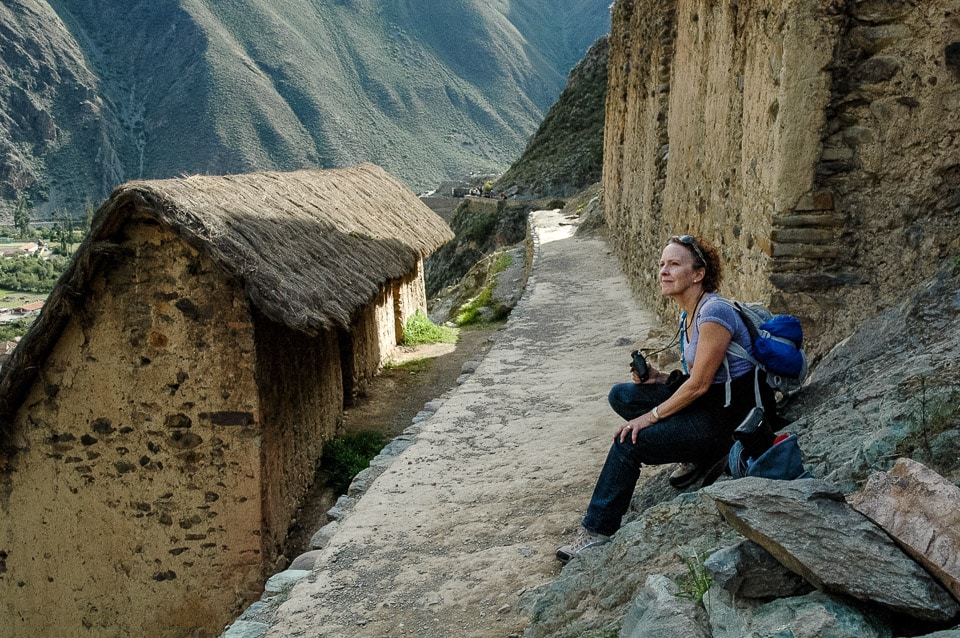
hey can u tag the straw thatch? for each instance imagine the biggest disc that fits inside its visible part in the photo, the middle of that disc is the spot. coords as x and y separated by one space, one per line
310 248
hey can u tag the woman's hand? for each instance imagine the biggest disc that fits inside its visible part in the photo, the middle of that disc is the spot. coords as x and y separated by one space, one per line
632 428
655 376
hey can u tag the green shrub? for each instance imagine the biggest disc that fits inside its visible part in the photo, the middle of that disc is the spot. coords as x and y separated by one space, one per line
16 328
419 330
346 456
556 203
470 311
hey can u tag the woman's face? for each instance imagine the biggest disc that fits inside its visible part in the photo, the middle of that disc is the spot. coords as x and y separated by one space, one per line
677 273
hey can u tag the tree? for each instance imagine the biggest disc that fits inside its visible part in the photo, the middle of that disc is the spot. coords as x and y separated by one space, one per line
21 216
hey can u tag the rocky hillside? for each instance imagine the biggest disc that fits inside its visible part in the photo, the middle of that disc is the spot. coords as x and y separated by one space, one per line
91 96
565 155
888 392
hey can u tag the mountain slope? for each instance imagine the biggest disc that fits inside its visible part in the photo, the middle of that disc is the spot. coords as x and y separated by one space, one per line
565 155
91 96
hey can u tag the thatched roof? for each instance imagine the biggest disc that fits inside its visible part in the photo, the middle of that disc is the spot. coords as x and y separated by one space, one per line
309 247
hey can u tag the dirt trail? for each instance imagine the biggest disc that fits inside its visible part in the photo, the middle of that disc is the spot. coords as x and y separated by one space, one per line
468 518
393 398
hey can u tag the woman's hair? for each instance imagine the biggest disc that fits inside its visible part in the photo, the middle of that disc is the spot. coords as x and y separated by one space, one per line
704 256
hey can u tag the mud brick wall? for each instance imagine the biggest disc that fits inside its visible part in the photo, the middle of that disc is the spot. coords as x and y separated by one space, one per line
137 490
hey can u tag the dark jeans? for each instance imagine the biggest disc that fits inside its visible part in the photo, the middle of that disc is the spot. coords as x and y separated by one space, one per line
700 433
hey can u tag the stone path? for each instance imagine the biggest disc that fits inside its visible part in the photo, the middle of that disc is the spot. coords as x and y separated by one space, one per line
467 518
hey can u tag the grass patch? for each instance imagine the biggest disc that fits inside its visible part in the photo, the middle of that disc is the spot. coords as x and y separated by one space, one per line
346 456
413 366
420 330
470 311
695 583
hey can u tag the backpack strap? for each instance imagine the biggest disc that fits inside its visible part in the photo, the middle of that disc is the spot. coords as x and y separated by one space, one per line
734 349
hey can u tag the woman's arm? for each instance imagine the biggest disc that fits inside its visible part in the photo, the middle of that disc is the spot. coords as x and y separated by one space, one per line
711 350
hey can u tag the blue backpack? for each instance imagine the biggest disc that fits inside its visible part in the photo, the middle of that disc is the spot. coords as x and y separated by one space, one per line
777 346
781 461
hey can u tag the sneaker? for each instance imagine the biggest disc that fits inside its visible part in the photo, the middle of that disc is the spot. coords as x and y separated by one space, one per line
713 472
685 475
584 539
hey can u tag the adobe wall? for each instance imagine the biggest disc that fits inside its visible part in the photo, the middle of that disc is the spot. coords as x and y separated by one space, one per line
372 338
134 505
410 295
816 146
301 395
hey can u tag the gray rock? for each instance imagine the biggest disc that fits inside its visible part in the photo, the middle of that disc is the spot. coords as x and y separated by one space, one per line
323 535
811 616
808 526
362 481
422 416
305 561
729 614
261 611
284 580
863 404
432 406
657 612
244 629
469 367
611 576
921 511
341 508
747 569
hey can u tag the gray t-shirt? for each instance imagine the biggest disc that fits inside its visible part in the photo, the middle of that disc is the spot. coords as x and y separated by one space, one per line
714 309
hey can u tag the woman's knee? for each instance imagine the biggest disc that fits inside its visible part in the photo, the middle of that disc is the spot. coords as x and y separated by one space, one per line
627 453
622 394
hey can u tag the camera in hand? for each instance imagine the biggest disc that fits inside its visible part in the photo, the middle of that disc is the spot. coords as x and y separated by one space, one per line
639 365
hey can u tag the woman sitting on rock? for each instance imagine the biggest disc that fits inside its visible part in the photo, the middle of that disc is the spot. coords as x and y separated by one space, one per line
685 419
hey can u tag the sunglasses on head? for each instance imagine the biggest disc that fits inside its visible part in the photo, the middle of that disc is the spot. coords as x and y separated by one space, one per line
689 240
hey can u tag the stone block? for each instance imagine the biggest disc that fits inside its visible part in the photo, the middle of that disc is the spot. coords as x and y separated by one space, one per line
804 235
921 511
815 201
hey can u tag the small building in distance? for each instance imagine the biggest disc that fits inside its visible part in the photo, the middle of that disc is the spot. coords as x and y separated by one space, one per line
164 416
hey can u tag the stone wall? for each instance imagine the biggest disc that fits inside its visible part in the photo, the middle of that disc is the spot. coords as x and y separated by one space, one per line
372 337
133 506
816 143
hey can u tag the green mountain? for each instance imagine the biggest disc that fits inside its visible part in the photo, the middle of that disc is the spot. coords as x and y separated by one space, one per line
565 155
95 93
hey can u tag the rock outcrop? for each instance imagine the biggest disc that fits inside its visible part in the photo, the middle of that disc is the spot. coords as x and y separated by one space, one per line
808 526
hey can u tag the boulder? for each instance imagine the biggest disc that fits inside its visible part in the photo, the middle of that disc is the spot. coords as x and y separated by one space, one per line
748 570
815 614
921 511
657 611
808 526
